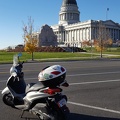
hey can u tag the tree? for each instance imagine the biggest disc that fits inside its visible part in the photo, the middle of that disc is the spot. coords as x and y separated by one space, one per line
30 38
103 38
85 43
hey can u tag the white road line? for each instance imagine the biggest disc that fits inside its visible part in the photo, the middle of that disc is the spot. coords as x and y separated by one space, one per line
76 75
102 73
93 107
81 83
95 82
26 79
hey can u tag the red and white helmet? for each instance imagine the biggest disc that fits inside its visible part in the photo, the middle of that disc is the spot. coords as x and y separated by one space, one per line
52 76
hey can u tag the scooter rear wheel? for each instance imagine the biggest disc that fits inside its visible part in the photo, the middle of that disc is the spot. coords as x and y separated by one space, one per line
8 100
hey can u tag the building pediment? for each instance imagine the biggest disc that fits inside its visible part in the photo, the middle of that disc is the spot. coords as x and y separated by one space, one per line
112 23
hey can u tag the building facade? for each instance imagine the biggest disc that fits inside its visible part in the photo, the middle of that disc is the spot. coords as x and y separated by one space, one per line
71 31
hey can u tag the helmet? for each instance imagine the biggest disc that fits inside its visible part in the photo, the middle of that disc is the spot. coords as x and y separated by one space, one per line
52 76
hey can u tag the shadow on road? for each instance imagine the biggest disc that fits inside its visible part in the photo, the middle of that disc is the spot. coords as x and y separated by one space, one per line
74 116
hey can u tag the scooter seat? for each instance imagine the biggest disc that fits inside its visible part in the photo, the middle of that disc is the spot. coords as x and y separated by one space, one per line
34 87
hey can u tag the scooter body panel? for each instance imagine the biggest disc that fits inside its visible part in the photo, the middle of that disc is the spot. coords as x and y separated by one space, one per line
33 95
5 91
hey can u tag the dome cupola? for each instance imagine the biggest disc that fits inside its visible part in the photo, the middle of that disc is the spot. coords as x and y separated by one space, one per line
69 12
67 2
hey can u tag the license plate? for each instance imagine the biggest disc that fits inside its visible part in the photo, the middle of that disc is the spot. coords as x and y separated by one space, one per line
62 102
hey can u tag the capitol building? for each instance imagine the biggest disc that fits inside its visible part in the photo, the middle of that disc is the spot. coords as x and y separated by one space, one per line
70 31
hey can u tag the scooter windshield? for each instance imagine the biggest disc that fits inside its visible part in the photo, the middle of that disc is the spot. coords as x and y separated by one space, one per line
15 60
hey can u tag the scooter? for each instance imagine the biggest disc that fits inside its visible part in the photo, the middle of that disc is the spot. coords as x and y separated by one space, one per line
44 99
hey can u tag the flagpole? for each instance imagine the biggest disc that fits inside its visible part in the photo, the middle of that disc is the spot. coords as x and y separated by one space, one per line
107 13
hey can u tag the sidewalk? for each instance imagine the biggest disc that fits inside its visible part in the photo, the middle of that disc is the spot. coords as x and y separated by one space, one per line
105 55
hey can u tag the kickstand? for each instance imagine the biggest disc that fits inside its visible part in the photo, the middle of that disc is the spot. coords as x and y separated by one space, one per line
21 116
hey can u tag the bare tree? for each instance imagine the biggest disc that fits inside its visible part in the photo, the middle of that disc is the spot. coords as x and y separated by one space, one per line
103 38
30 39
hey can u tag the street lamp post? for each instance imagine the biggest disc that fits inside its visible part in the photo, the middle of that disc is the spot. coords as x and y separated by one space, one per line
91 47
73 45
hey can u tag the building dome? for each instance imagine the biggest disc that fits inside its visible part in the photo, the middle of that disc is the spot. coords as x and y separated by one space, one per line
69 12
66 2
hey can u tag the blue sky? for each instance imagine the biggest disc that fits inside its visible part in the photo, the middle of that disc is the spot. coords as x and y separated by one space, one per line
13 13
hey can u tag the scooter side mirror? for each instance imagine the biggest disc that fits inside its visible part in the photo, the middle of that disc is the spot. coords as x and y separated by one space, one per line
19 54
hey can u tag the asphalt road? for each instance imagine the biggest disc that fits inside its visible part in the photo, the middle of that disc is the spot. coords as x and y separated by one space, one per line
93 94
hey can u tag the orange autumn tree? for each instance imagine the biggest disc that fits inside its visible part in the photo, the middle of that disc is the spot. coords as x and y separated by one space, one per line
85 43
103 39
30 39
102 46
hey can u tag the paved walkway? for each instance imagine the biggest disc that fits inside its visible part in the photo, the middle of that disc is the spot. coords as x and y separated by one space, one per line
105 55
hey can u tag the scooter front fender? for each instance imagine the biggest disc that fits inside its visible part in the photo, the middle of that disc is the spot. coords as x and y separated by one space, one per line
5 91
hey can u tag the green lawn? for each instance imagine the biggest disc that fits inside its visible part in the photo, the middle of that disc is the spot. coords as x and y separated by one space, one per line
6 57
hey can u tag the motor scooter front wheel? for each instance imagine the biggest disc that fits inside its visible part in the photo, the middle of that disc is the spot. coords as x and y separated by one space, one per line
8 100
